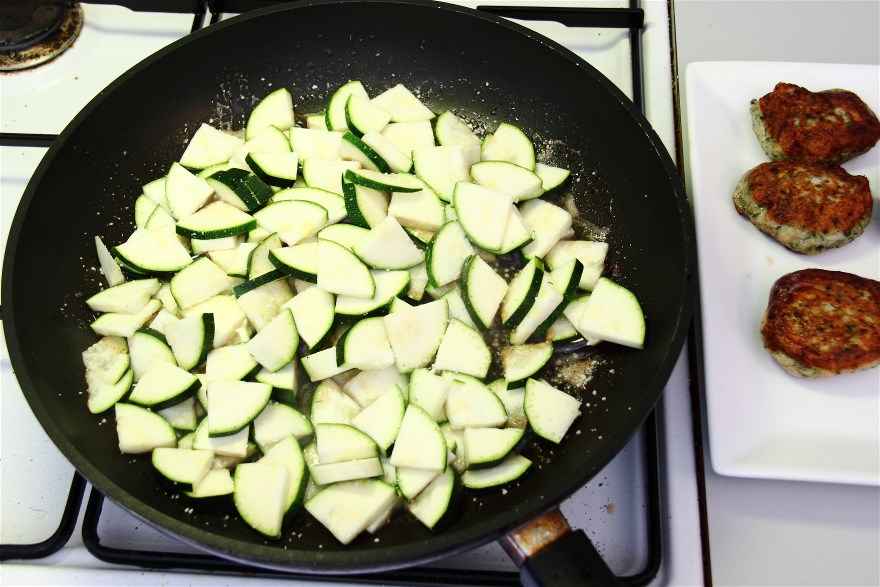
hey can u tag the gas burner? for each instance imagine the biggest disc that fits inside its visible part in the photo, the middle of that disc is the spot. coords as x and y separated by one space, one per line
33 32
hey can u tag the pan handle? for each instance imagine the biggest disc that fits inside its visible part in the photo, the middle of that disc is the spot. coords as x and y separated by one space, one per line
549 553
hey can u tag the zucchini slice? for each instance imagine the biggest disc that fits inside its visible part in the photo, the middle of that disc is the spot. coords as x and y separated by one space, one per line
331 406
411 481
275 345
163 385
509 143
185 192
513 402
182 465
551 177
394 158
510 469
442 167
486 447
125 325
362 116
341 272
126 298
229 363
232 405
181 416
381 419
278 421
463 350
322 365
299 261
365 346
147 348
288 454
409 136
261 299
335 116
446 254
209 146
347 508
104 394
590 253
329 474
428 391
107 360
240 188
293 220
384 182
402 105
338 443
346 235
216 483
231 448
109 267
457 309
365 206
522 361
198 282
313 312
415 334
550 411
434 501
274 168
548 224
611 313
152 252
389 284
368 386
501 176
420 443
451 130
421 210
327 174
521 293
333 203
274 110
354 149
481 290
140 430
309 143
545 304
470 404
228 317
261 496
389 247
190 339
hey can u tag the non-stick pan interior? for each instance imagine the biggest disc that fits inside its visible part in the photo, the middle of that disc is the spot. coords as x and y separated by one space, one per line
486 70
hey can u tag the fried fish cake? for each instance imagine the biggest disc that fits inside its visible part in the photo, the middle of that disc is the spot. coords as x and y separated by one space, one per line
807 207
820 323
831 126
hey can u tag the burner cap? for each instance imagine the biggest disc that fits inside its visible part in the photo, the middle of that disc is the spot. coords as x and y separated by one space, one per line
35 31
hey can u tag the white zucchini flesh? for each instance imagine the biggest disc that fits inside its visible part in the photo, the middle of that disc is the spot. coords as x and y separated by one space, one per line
275 345
109 267
234 261
368 386
412 481
415 334
509 143
232 405
354 149
316 121
147 349
388 247
346 509
501 176
402 105
274 110
278 421
562 329
362 116
198 283
168 301
611 313
341 272
408 136
263 303
463 350
293 220
228 317
233 446
181 416
522 361
517 234
422 210
200 246
313 312
521 293
126 298
508 470
311 143
288 454
548 224
550 411
513 402
366 207
339 472
490 445
331 406
381 419
274 168
452 130
216 221
322 365
365 345
153 252
591 253
216 482
447 253
432 503
346 235
104 394
229 363
547 300
155 190
442 167
457 308
384 182
481 290
182 465
470 404
339 443
418 280
125 325
389 284
258 262
420 443
299 261
140 430
143 209
396 159
335 115
260 496
185 192
551 177
107 360
428 391
326 174
331 202
209 146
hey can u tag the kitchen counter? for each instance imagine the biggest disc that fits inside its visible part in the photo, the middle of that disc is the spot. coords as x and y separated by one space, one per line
764 532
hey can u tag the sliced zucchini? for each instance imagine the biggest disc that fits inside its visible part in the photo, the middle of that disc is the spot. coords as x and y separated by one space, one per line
168 301
284 382
331 406
233 447
140 430
326 174
346 235
546 303
153 252
384 182
185 192
410 481
125 325
259 263
611 313
388 247
521 293
232 405
182 465
200 246
488 446
107 360
335 116
322 365
420 443
590 253
441 168
162 222
341 272
104 394
551 177
550 411
562 330
470 404
216 483
338 443
362 116
209 146
447 253
309 143
109 267
508 470
240 188
462 350
229 363
389 284
288 454
147 348
402 105
513 402
332 473
162 320
198 282
509 143
181 416
234 261
548 224
155 190
275 345
565 279
415 334
261 299
365 346
473 205
381 419
354 149
143 209
428 391
420 210
501 176
316 121
368 386
163 385
433 503
274 110
278 421
418 279
408 136
523 361
365 206
274 168
481 290
299 261
346 509
313 314
452 130
333 203
293 220
126 298
228 317
261 496
387 151
457 309
398 304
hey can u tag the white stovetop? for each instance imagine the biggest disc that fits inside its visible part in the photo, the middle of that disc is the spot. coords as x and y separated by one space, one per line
35 477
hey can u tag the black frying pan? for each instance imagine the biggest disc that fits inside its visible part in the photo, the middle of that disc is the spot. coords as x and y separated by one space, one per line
481 65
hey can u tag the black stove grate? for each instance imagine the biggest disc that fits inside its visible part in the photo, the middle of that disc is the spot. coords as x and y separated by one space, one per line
631 18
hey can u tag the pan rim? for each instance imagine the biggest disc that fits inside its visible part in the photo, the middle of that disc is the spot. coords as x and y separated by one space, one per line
342 562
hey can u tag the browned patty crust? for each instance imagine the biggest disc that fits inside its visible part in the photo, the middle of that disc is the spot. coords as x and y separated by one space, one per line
830 126
821 322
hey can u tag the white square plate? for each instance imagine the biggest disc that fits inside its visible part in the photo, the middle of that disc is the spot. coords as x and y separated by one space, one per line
764 422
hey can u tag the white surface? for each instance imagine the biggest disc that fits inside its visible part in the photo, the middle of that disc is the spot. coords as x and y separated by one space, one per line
765 422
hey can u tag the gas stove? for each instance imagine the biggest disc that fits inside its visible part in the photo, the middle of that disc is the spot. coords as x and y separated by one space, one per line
641 511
